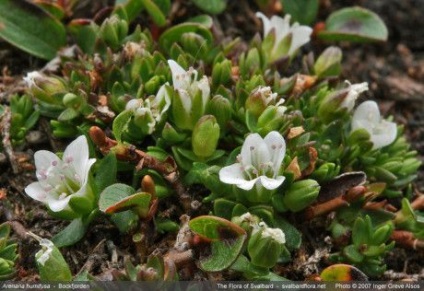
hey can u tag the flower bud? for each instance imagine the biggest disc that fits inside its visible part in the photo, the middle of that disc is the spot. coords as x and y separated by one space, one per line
152 86
205 136
44 88
195 44
251 64
171 135
73 101
326 172
301 194
50 262
221 73
220 107
271 119
260 99
329 63
113 31
246 221
266 245
340 101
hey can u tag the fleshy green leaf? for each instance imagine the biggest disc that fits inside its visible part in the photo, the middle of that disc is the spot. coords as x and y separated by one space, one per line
211 6
223 254
175 33
113 194
302 11
120 123
139 201
354 24
215 228
227 241
70 234
30 28
106 172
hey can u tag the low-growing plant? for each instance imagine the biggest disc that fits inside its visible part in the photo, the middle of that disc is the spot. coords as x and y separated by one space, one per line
270 149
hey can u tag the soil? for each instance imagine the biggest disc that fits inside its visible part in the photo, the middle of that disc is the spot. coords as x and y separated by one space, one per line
394 71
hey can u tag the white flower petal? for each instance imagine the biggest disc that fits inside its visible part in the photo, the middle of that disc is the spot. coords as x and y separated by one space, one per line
59 204
36 192
185 100
266 23
270 183
43 255
204 87
366 113
277 147
248 184
274 233
384 134
77 155
180 77
281 26
134 104
252 141
162 100
30 78
44 159
232 174
353 93
300 36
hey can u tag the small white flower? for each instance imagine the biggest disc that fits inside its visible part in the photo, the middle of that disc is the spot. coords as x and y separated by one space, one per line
300 34
353 92
150 110
44 254
274 233
270 97
61 179
259 163
31 77
367 116
186 83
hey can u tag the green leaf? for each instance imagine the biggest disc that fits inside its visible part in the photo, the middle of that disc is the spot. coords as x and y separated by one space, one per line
84 32
354 24
30 28
302 11
70 234
223 208
140 202
54 268
342 272
174 34
293 236
106 172
223 254
154 12
4 234
120 123
353 254
113 194
215 228
204 20
227 241
211 6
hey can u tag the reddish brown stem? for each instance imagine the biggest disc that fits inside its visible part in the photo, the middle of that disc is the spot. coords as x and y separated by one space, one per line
130 153
407 239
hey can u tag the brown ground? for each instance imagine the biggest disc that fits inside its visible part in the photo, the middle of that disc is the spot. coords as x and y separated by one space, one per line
394 70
